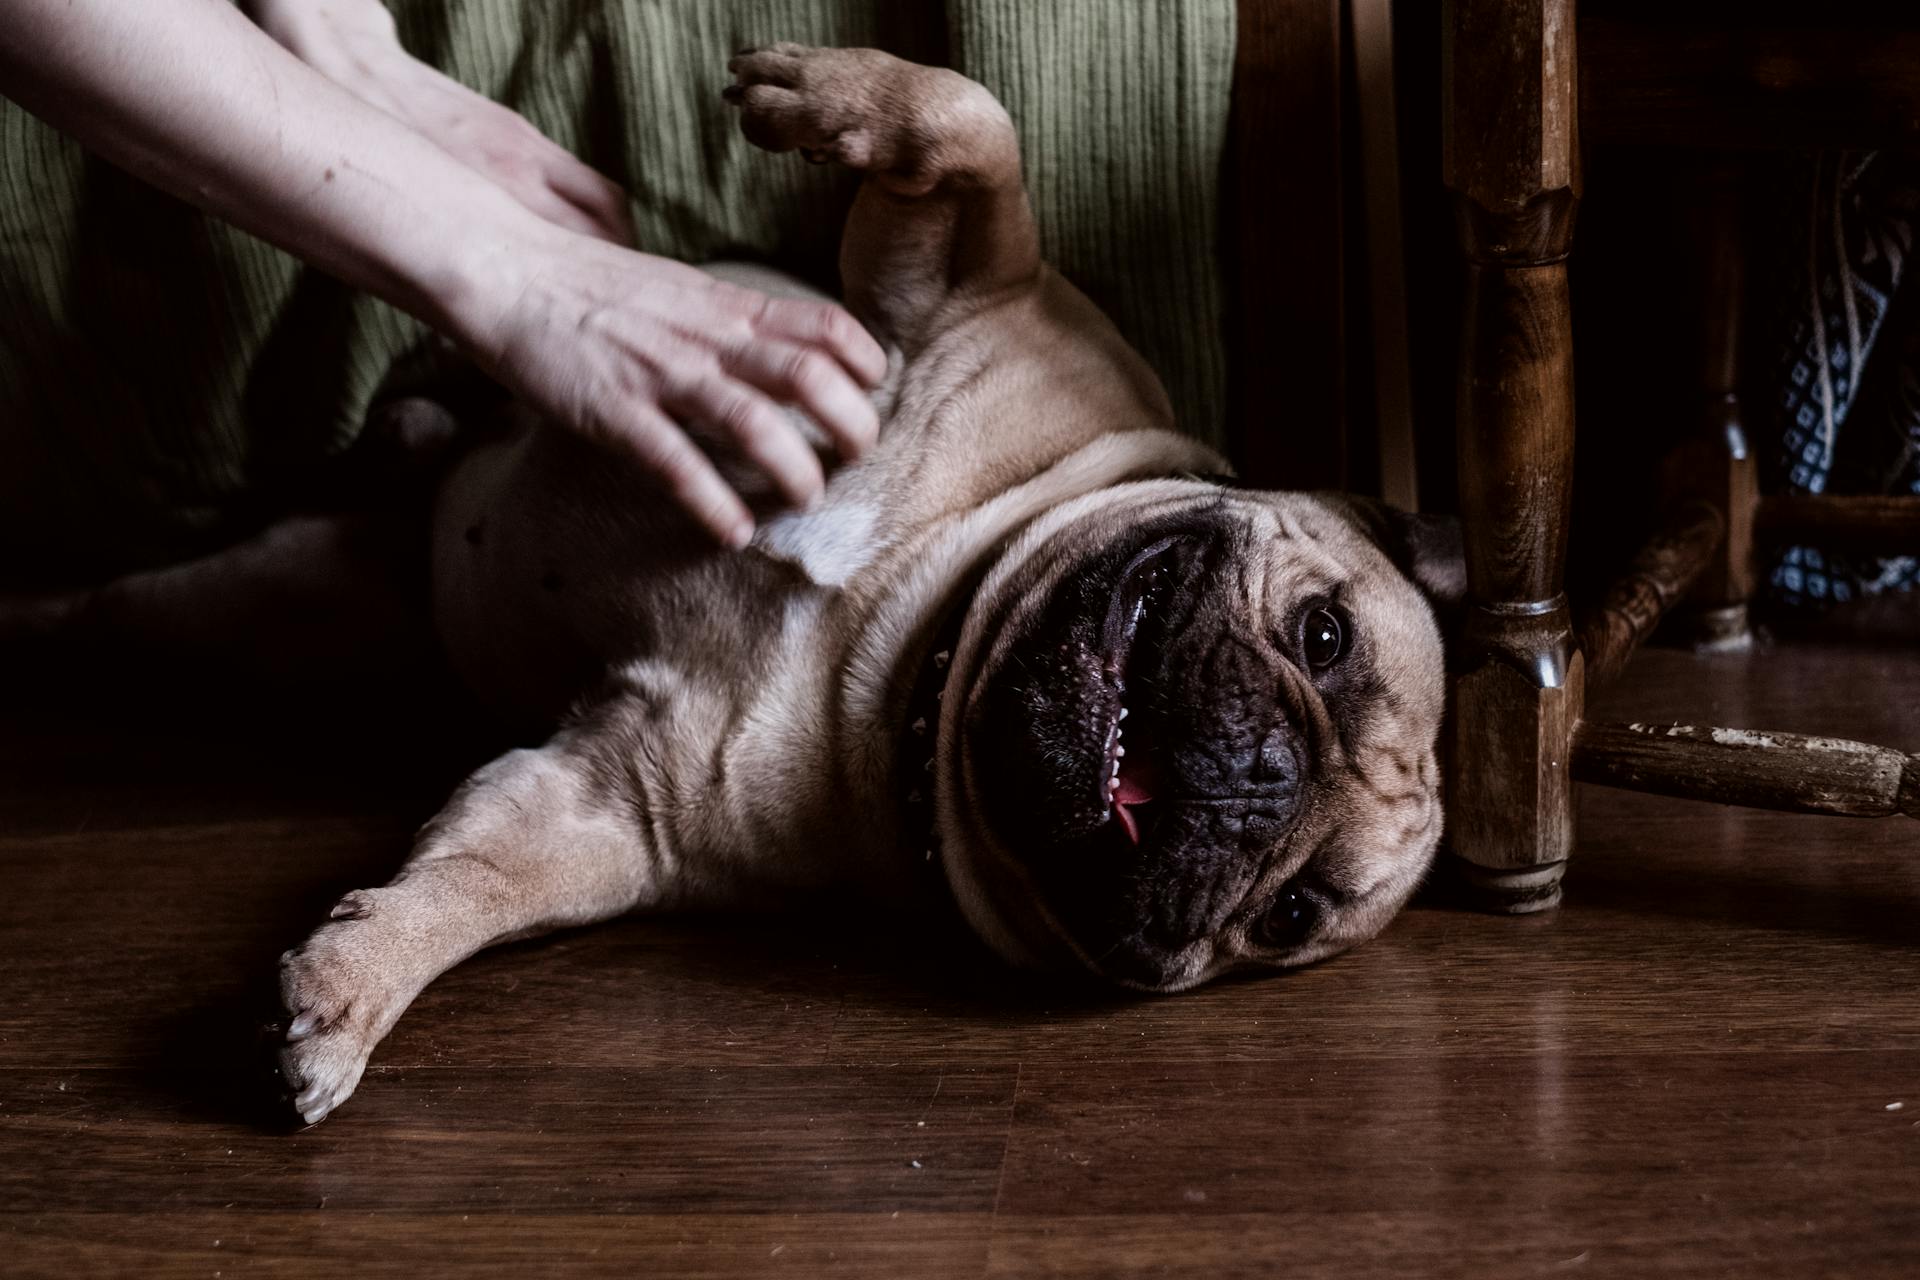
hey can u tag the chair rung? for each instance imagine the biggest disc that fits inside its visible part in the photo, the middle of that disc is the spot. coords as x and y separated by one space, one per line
1659 576
1750 768
1884 526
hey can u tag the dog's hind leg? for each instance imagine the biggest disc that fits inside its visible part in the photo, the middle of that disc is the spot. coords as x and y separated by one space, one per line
536 840
340 591
942 220
343 593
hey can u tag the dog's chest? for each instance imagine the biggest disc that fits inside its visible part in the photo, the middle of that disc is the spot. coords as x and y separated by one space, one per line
829 544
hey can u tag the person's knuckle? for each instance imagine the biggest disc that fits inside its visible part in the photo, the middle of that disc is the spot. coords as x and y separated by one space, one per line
809 373
735 301
687 374
836 326
703 366
740 416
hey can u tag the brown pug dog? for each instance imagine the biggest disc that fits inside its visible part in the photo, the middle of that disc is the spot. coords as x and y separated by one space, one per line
1143 726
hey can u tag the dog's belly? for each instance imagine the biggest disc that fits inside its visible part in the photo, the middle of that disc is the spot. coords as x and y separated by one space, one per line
502 599
550 568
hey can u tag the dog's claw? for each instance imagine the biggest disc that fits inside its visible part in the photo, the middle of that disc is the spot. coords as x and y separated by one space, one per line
303 1026
313 1104
357 905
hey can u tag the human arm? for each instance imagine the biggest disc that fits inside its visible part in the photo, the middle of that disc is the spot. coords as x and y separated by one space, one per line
193 98
355 44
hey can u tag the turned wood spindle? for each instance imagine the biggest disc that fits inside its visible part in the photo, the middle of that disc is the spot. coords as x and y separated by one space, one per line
1715 463
1512 162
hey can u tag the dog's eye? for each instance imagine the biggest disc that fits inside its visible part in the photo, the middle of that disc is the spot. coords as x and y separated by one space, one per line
1289 920
1323 638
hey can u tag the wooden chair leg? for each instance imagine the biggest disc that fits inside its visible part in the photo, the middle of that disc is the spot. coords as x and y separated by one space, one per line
1512 161
1716 463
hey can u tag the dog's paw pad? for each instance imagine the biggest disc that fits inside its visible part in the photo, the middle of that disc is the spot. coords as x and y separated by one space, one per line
815 101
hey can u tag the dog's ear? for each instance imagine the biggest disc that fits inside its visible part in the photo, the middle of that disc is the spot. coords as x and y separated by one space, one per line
1429 549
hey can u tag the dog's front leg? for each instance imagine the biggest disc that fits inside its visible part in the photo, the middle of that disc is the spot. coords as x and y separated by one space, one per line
534 841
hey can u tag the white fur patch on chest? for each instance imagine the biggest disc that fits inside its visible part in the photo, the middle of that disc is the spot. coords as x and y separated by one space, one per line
829 545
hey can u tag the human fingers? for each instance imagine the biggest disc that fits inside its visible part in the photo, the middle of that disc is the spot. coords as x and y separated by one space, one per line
813 380
756 427
825 325
688 477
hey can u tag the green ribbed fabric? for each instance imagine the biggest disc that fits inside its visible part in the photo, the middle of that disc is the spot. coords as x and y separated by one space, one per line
1122 112
164 378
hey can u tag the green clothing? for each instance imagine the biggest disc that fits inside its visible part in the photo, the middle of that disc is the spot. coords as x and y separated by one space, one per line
164 378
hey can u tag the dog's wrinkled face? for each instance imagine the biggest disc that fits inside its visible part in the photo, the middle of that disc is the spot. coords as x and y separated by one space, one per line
1196 733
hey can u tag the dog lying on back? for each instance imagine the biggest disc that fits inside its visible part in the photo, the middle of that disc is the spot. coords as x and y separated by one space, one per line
1141 725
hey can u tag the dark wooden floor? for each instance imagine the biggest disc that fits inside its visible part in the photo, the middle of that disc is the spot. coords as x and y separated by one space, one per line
1706 1063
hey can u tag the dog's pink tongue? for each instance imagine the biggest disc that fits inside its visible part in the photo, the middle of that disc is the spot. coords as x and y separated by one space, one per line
1136 787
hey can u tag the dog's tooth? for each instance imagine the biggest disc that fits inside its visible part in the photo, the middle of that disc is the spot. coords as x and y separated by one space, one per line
1123 713
1113 783
1118 751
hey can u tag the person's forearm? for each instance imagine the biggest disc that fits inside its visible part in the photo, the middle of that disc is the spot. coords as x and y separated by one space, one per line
190 96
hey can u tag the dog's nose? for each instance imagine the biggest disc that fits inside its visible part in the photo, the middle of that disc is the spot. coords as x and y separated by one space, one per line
1275 761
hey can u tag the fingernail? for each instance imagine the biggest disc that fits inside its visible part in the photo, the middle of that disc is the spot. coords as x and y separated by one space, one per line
740 535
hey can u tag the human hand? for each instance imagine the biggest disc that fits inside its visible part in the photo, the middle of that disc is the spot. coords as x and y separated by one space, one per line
355 44
617 346
621 347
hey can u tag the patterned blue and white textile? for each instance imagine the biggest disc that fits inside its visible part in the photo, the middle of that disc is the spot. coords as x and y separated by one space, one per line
1839 411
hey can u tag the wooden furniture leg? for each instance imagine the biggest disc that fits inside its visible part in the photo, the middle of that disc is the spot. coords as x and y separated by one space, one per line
1716 464
1512 162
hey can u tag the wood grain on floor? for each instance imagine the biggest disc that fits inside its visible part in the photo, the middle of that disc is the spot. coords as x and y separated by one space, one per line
1706 1063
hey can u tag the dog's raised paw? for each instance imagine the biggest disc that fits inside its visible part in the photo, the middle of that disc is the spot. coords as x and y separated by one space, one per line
820 102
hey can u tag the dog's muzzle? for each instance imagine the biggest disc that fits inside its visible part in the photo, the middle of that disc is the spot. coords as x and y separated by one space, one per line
1138 754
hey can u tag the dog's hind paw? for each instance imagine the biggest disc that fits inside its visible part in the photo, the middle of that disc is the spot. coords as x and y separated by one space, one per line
793 98
909 125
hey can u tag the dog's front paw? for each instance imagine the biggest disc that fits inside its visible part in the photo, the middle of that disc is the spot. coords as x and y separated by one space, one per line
336 998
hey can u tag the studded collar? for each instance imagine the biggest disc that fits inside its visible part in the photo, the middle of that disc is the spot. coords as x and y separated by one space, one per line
919 741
